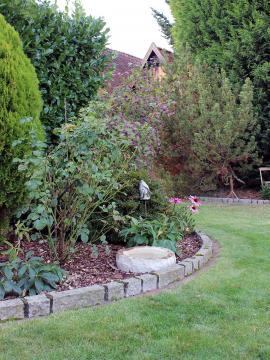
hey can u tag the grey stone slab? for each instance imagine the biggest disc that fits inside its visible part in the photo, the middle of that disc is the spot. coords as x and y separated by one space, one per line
38 305
114 291
77 298
11 309
244 201
196 262
149 282
204 255
206 241
188 267
133 286
202 258
170 275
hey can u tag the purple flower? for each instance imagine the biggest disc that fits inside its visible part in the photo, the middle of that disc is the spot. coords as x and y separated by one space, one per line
195 200
175 200
194 209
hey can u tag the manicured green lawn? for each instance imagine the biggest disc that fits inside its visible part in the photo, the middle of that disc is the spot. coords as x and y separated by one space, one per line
222 314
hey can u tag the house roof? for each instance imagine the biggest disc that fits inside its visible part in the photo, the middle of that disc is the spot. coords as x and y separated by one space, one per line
124 65
157 55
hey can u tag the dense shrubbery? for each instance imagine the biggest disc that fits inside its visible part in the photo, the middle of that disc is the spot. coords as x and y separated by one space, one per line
73 191
86 188
67 52
20 106
233 35
204 128
211 130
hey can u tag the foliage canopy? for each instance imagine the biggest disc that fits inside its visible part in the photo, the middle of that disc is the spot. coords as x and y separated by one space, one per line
235 36
67 52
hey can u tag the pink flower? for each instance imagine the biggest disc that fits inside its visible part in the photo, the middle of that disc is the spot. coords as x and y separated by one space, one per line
194 209
175 200
195 200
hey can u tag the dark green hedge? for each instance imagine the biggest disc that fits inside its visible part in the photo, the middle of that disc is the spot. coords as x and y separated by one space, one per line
67 52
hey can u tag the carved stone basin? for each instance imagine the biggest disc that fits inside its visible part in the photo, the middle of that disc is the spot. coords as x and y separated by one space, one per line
142 259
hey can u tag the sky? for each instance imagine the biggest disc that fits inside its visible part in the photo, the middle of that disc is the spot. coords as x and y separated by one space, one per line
132 26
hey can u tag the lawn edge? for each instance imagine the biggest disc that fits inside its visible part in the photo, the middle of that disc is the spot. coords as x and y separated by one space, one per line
54 302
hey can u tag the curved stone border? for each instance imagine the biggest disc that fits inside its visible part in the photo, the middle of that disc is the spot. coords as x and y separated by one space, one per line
234 201
53 302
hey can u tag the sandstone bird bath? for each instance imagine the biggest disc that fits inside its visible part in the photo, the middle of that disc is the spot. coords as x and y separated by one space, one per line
142 259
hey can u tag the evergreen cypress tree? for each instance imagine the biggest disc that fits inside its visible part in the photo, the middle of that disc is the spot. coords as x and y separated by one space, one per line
233 34
164 23
19 99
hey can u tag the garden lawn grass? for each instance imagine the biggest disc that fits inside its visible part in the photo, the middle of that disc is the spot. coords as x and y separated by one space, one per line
224 313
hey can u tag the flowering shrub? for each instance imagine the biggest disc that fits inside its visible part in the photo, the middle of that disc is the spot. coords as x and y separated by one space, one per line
136 110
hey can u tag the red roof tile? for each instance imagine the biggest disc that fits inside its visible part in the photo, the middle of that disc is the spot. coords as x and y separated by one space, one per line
124 65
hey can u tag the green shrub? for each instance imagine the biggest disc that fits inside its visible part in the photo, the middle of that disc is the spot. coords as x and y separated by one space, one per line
67 52
20 106
265 192
163 230
73 191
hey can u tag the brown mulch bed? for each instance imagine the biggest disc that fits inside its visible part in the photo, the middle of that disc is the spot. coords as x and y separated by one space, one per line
88 268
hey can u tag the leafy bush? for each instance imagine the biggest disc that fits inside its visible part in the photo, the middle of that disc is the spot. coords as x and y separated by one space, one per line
165 230
265 192
72 192
162 232
30 276
19 99
67 52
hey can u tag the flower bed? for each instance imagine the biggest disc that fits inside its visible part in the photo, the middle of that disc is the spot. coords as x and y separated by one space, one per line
48 303
86 267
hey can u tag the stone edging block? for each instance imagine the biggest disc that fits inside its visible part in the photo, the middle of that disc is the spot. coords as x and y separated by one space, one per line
77 298
39 305
114 291
149 282
132 286
11 309
53 302
170 275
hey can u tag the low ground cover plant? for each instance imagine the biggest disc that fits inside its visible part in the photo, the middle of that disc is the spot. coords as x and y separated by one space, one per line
265 192
28 276
166 229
